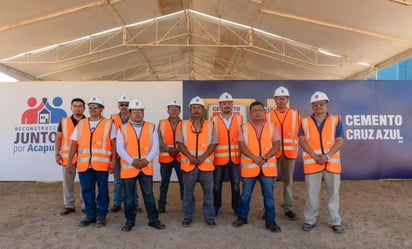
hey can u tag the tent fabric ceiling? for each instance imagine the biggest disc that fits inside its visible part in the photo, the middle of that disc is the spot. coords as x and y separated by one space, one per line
202 40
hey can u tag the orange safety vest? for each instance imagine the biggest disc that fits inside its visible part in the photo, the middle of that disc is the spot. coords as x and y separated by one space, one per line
321 144
258 147
228 146
289 130
67 130
169 137
137 148
94 148
118 122
197 143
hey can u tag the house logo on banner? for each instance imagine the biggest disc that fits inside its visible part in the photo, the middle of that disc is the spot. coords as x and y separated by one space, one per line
38 129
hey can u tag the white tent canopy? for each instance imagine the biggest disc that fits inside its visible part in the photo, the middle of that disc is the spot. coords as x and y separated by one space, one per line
202 40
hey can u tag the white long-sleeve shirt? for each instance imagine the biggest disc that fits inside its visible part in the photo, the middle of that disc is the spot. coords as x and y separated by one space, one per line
121 150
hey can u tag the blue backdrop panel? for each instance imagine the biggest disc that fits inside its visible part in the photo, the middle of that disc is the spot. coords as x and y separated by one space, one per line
376 116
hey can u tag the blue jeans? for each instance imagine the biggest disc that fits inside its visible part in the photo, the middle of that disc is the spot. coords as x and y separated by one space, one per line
166 172
130 186
267 184
95 207
118 187
206 181
234 174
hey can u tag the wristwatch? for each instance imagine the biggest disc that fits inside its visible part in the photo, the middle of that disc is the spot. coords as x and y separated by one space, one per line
265 158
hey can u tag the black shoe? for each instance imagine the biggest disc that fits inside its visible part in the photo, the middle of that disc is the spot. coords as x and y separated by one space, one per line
86 221
239 222
291 215
139 210
128 226
273 227
210 223
67 211
157 224
100 222
186 222
161 210
338 229
308 227
115 209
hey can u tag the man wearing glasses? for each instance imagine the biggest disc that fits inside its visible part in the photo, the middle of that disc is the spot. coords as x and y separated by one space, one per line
197 141
94 141
119 119
259 141
169 157
138 143
321 137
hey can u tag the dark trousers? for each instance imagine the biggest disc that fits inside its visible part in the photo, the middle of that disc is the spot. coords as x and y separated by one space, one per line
234 174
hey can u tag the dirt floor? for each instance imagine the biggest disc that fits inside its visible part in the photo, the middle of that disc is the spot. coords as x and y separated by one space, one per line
376 214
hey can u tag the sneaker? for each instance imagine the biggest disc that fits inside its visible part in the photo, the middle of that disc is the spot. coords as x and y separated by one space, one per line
308 227
239 222
338 229
291 215
273 227
161 210
100 222
128 226
86 221
67 211
186 222
210 223
115 209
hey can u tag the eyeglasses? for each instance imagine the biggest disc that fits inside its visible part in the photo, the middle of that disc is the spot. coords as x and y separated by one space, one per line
174 108
257 110
91 107
137 112
124 104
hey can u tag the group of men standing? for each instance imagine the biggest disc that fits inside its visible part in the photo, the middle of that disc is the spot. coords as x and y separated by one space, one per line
202 150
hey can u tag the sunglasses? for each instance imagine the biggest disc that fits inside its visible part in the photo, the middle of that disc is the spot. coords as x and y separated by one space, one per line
91 107
124 104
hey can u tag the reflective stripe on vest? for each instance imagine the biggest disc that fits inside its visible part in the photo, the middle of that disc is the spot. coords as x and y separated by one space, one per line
314 139
168 136
94 148
67 130
258 147
137 148
288 130
197 144
228 146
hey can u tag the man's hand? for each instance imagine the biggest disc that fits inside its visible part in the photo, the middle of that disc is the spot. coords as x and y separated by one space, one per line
173 151
112 168
59 159
71 168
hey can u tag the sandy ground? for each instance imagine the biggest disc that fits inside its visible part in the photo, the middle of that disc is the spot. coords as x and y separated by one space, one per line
376 214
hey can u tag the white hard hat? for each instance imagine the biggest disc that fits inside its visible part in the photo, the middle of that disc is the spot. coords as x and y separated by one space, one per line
281 91
123 98
136 104
225 97
96 100
318 96
174 102
197 101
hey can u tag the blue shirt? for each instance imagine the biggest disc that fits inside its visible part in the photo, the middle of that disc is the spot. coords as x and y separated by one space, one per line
339 127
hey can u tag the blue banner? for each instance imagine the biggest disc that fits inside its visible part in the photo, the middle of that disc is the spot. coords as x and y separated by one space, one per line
376 116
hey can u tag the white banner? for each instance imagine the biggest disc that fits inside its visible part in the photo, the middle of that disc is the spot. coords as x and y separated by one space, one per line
31 112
